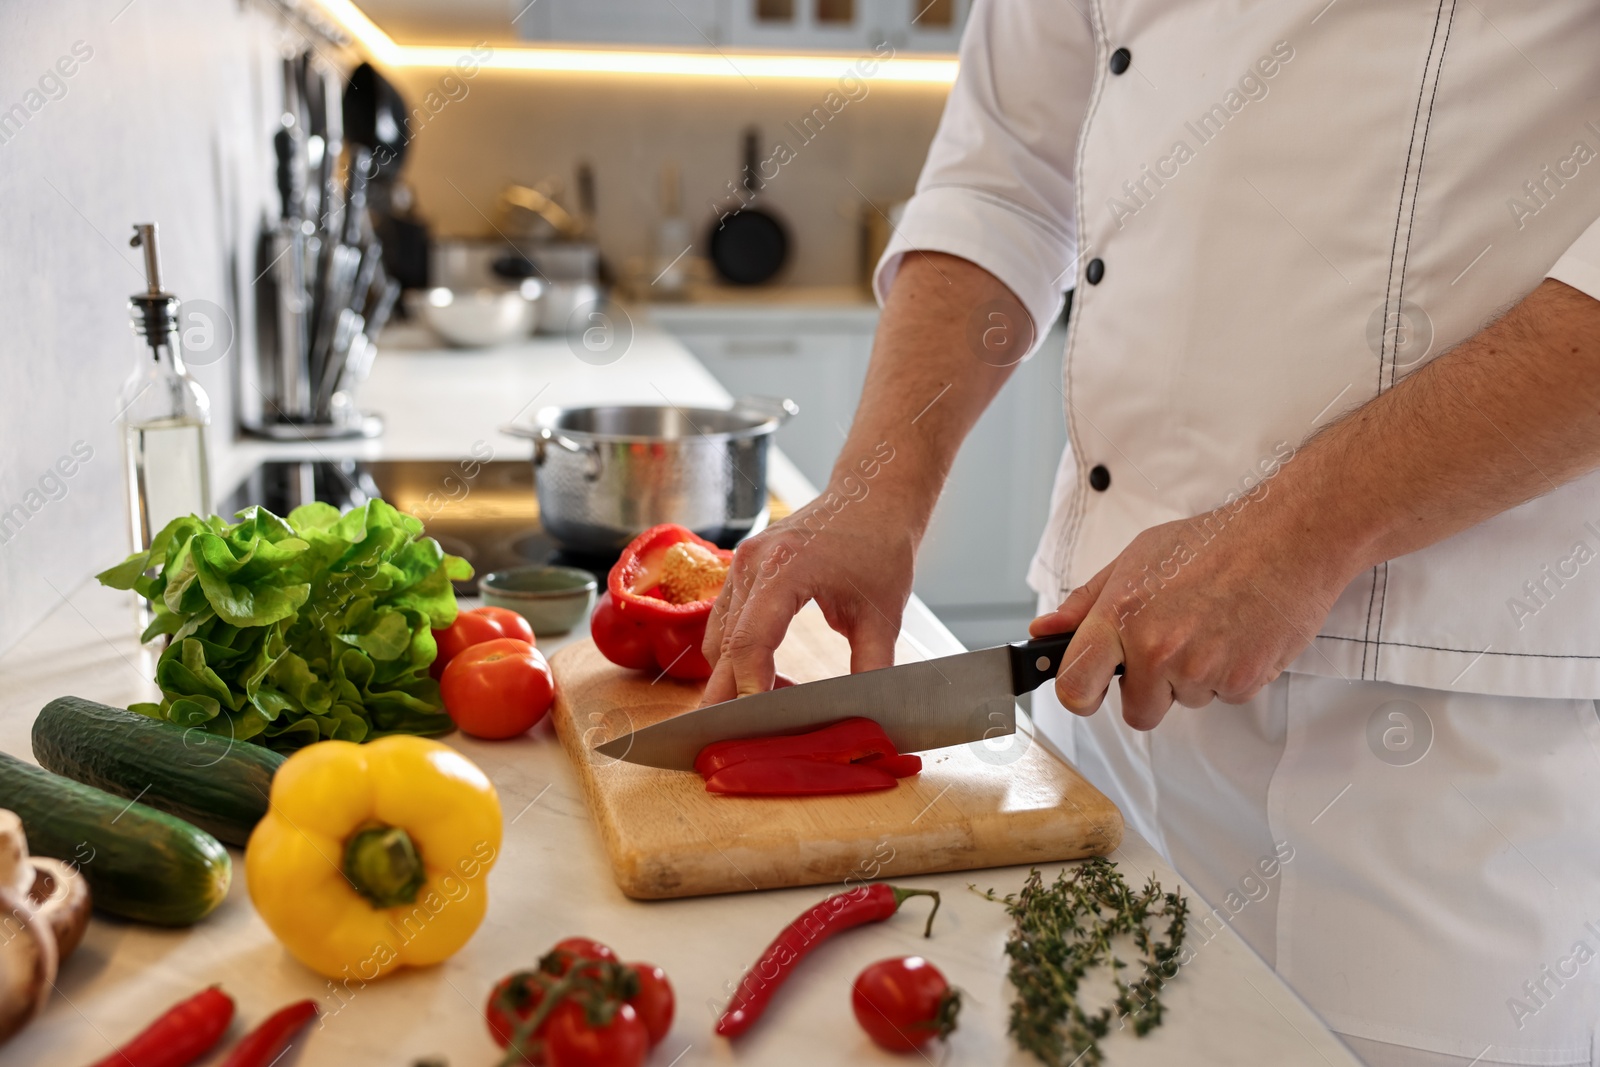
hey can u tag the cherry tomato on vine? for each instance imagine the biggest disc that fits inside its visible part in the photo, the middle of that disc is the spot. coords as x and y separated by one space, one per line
570 1040
513 1000
654 1002
904 1003
584 948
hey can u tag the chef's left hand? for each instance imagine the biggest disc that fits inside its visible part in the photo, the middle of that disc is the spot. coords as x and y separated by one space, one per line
1207 608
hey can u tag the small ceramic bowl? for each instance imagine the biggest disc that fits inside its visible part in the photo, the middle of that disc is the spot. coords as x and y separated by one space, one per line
552 599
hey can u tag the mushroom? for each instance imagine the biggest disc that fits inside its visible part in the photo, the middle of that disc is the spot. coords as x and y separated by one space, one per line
61 896
44 907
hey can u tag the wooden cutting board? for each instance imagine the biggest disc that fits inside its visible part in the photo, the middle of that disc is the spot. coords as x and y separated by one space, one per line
1010 802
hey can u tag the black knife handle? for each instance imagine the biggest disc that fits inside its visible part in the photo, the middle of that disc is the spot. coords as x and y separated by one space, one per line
1036 662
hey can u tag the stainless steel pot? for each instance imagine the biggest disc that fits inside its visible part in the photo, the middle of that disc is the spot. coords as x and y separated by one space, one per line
604 474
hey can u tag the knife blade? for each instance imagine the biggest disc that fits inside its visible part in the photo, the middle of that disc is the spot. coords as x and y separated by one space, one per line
952 700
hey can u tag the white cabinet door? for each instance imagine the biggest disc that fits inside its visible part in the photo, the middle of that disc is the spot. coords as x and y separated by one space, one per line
972 569
973 564
821 372
845 25
923 25
686 23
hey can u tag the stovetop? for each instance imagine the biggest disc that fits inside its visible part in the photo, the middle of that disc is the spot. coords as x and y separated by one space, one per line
485 512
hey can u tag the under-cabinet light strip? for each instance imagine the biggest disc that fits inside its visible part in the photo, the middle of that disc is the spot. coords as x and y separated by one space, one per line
709 64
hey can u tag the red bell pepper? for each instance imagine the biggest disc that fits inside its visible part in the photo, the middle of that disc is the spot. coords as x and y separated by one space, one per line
846 741
788 776
657 601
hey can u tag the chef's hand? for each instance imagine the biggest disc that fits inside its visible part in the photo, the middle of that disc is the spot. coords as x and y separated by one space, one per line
1207 608
948 339
850 550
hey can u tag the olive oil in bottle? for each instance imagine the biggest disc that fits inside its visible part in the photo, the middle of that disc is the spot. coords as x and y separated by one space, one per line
164 413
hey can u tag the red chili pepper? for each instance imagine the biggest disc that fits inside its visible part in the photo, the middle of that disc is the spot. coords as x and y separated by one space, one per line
661 590
846 741
901 766
866 904
786 776
263 1045
184 1033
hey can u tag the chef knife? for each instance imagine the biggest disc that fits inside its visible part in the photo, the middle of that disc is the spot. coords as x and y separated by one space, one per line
937 702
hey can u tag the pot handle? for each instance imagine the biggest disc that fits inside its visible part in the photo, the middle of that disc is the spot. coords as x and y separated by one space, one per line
768 407
547 437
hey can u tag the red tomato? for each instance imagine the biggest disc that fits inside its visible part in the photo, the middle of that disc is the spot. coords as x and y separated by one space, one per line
654 1001
497 689
904 1003
583 948
469 629
623 641
513 1000
572 1042
511 624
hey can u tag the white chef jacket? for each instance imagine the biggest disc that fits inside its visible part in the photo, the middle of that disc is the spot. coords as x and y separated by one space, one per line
1287 206
1270 213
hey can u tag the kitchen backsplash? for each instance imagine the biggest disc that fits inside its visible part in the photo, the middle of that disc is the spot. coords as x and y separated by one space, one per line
829 146
114 112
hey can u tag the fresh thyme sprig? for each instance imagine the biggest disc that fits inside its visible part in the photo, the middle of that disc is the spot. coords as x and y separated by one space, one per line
1064 931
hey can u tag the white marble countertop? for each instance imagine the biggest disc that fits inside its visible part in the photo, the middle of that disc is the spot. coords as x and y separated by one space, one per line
552 879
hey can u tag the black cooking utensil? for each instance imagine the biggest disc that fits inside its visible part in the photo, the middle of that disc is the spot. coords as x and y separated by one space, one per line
749 246
375 116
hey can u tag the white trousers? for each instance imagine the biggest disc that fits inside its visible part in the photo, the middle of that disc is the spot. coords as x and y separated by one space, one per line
1442 906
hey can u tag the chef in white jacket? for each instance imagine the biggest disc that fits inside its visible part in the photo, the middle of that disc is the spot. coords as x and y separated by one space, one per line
1332 380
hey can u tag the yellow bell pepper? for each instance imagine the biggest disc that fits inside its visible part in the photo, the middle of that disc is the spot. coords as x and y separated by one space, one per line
374 856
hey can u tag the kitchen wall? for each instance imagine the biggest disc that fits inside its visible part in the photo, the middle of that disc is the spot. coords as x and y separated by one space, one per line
114 112
501 127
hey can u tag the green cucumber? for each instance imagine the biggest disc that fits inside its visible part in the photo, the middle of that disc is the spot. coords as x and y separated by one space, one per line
218 784
140 863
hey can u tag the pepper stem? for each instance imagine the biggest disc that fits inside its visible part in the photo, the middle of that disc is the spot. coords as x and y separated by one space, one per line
381 863
901 895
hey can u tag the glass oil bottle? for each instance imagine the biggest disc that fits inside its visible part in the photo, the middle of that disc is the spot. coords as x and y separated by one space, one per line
164 412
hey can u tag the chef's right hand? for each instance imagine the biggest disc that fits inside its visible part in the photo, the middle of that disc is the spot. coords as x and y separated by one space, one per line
851 550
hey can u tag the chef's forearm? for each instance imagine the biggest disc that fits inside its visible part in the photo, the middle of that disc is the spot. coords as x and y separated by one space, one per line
1508 415
946 325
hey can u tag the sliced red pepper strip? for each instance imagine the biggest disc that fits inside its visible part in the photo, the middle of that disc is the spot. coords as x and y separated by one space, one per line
866 904
901 766
264 1045
845 741
790 777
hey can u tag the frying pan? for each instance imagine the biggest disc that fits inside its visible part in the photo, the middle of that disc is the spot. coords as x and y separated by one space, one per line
750 246
375 117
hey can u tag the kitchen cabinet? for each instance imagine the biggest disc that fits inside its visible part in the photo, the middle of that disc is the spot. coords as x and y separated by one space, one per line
681 23
818 360
906 25
973 563
807 25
